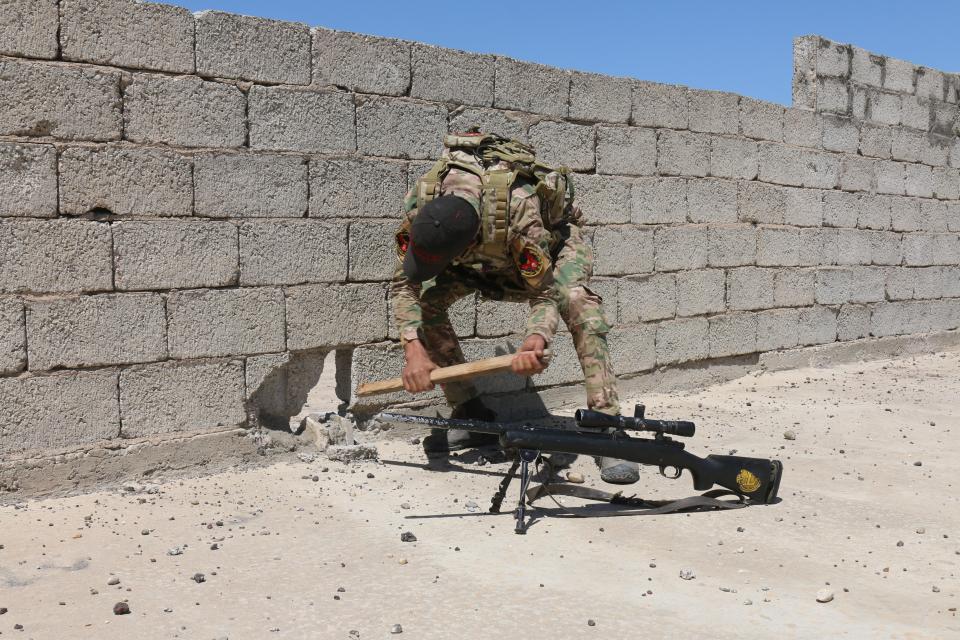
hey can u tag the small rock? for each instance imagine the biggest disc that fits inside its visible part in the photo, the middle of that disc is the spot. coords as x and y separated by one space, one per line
899 543
748 602
653 565
402 561
121 609
3 610
351 452
370 475
591 622
175 551
472 506
113 581
145 532
18 627
414 440
198 578
404 505
936 589
687 574
575 477
918 463
214 546
407 536
921 531
396 629
825 595
789 434
306 457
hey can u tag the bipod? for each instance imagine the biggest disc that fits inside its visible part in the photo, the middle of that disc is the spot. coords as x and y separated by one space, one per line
521 460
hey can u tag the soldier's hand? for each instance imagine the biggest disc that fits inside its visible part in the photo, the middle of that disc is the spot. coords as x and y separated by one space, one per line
416 371
528 360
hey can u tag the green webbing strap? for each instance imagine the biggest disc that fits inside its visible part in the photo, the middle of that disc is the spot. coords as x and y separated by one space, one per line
429 185
495 206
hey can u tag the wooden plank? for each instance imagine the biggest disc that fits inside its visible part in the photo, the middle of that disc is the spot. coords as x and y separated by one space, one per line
454 373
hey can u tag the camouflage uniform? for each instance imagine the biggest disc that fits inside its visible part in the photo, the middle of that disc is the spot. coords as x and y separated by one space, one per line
546 263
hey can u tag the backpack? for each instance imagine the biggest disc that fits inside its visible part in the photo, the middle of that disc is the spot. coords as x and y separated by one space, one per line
553 185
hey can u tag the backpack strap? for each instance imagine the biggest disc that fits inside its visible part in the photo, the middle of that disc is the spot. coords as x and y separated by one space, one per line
495 207
428 186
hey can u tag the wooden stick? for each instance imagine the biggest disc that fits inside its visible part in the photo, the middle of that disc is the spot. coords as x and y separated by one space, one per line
447 374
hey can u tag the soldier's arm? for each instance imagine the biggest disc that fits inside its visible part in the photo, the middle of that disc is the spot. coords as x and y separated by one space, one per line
531 253
405 295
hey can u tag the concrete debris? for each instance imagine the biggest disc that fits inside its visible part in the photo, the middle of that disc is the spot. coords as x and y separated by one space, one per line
352 452
329 429
687 574
396 629
406 536
121 609
575 477
789 434
825 595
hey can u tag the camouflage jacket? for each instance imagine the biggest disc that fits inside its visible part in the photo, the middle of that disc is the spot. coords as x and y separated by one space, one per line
520 270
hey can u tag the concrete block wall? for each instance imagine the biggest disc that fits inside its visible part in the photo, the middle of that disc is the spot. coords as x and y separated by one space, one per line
196 209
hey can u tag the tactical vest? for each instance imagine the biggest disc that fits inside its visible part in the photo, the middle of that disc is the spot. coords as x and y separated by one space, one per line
553 185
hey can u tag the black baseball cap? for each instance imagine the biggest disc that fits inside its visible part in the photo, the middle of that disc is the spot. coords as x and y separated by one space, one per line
442 229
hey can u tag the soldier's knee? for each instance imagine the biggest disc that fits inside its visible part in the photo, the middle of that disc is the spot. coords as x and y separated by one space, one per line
584 311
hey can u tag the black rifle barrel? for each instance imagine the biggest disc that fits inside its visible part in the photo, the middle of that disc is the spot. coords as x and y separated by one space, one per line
595 419
443 423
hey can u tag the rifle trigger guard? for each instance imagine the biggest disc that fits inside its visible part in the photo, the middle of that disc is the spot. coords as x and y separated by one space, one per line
676 472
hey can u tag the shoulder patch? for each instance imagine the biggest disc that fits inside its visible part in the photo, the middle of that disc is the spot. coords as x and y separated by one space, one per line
531 261
403 243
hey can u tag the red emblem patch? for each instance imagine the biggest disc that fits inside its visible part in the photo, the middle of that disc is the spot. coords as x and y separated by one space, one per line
531 261
403 243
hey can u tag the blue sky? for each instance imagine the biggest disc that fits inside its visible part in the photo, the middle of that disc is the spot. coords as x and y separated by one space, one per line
740 46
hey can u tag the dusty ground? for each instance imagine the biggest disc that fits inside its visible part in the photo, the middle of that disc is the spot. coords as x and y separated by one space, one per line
313 550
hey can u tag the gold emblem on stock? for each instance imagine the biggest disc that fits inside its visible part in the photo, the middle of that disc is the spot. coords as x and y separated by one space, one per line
747 482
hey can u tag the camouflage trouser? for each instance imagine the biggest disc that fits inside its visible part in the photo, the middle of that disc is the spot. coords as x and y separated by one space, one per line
578 306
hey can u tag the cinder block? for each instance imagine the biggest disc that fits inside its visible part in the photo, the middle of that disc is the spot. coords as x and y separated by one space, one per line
805 71
873 212
833 96
626 151
885 247
840 209
489 121
817 325
840 285
332 315
712 201
28 180
682 153
90 331
820 170
901 283
293 119
777 329
659 200
933 216
803 207
749 288
883 107
295 252
731 246
819 247
659 105
875 141
501 318
793 287
951 282
945 315
946 183
121 33
778 246
365 64
682 340
922 249
535 88
907 145
897 318
905 214
60 410
714 111
400 128
942 122
930 83
955 151
622 250
733 158
840 134
603 199
174 254
560 143
953 216
28 28
125 181
174 396
65 102
600 98
857 173
448 75
915 113
733 334
701 292
250 185
866 68
853 322
185 111
803 128
680 248
255 49
373 250
781 164
761 120
899 75
13 336
918 180
928 283
854 247
222 322
649 298
891 177
357 188
633 348
761 203
278 385
833 59
54 256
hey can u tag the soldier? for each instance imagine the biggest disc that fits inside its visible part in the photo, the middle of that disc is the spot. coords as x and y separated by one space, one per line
489 218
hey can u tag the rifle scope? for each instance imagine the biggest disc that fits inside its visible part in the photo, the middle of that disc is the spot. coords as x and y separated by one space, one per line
595 419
